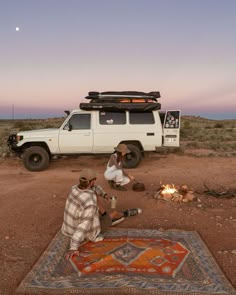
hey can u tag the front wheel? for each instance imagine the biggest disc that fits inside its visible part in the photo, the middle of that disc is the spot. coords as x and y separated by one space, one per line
132 159
36 158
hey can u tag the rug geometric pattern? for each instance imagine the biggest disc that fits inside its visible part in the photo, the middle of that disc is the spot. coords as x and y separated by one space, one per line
129 261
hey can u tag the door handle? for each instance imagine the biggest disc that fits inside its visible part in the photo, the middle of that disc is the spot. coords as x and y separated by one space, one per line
150 134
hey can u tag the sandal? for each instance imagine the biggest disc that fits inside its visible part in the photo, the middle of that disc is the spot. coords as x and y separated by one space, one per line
116 186
117 221
111 183
119 187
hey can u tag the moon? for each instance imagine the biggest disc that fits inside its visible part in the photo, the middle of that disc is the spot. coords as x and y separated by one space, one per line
17 29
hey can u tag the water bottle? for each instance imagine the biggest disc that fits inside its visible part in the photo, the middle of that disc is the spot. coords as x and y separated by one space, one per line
113 202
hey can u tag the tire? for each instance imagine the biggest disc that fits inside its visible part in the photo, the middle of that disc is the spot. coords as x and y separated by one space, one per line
132 159
36 158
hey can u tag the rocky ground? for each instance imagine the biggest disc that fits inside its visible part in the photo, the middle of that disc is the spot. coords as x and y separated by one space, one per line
32 204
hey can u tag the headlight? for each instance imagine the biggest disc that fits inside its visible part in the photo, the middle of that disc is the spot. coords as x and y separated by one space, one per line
19 138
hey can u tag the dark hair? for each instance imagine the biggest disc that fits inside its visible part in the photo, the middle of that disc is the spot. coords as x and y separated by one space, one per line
119 156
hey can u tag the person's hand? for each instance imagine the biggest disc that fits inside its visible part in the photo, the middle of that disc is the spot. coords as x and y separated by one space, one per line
105 196
71 253
131 177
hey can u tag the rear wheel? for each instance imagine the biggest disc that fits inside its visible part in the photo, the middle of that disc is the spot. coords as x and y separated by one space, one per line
36 158
132 159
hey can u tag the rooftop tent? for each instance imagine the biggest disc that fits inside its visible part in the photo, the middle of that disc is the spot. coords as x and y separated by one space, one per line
108 95
122 100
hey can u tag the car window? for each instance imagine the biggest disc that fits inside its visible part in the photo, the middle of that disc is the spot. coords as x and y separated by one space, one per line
112 118
79 121
141 118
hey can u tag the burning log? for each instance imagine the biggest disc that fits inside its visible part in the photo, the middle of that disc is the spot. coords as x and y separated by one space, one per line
175 194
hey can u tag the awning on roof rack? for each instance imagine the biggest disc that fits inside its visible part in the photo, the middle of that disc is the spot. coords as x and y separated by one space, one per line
120 106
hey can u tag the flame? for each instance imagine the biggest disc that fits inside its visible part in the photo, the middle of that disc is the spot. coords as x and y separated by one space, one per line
168 189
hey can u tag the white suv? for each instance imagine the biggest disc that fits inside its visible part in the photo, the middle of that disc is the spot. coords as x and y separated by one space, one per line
97 131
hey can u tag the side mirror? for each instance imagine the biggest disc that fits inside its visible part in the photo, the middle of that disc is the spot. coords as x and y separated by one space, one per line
70 127
67 113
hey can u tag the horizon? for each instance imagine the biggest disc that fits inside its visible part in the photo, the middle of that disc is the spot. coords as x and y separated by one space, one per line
11 113
52 56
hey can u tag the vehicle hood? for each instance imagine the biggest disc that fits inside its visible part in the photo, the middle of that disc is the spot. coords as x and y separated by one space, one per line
39 132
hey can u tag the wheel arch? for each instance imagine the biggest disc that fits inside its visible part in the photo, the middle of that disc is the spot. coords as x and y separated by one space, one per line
137 143
38 143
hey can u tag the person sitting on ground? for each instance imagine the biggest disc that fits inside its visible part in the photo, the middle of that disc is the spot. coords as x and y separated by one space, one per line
82 221
114 173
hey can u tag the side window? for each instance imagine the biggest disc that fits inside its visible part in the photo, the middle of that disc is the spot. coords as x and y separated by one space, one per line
79 121
112 118
141 118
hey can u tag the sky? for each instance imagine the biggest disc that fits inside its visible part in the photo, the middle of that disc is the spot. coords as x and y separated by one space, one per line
186 49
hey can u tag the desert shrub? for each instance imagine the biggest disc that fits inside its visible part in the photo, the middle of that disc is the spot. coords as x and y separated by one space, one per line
183 133
19 125
208 127
224 147
227 138
187 124
193 144
214 145
25 127
219 125
233 146
212 137
201 137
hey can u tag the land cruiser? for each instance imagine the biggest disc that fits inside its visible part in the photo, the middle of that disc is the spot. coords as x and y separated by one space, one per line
96 127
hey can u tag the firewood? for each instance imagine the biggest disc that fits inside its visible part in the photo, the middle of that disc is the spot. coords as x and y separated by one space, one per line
223 194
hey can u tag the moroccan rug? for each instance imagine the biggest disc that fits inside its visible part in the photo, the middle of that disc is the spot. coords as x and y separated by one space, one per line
129 261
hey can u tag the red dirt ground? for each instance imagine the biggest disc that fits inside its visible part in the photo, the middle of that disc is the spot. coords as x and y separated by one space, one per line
32 204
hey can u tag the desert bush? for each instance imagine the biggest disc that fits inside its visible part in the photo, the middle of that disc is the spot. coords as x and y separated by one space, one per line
233 146
193 144
219 125
214 145
187 124
20 125
183 133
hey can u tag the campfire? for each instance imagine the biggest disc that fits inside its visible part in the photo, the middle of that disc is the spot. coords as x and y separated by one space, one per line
170 192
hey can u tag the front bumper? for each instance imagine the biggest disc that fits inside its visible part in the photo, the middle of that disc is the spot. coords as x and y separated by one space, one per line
12 143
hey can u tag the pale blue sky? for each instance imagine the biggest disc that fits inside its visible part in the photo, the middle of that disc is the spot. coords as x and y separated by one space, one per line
186 49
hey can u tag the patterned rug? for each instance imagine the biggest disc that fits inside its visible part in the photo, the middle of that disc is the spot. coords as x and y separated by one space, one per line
129 261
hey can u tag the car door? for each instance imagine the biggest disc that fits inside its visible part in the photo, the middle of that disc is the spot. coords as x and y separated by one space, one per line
171 129
76 136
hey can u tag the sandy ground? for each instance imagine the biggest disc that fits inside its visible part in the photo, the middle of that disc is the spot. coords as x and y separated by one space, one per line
32 204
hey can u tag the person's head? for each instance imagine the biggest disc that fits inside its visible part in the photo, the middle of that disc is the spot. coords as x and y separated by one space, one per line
122 149
87 178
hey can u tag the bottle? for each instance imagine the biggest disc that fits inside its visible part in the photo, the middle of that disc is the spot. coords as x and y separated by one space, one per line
113 202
